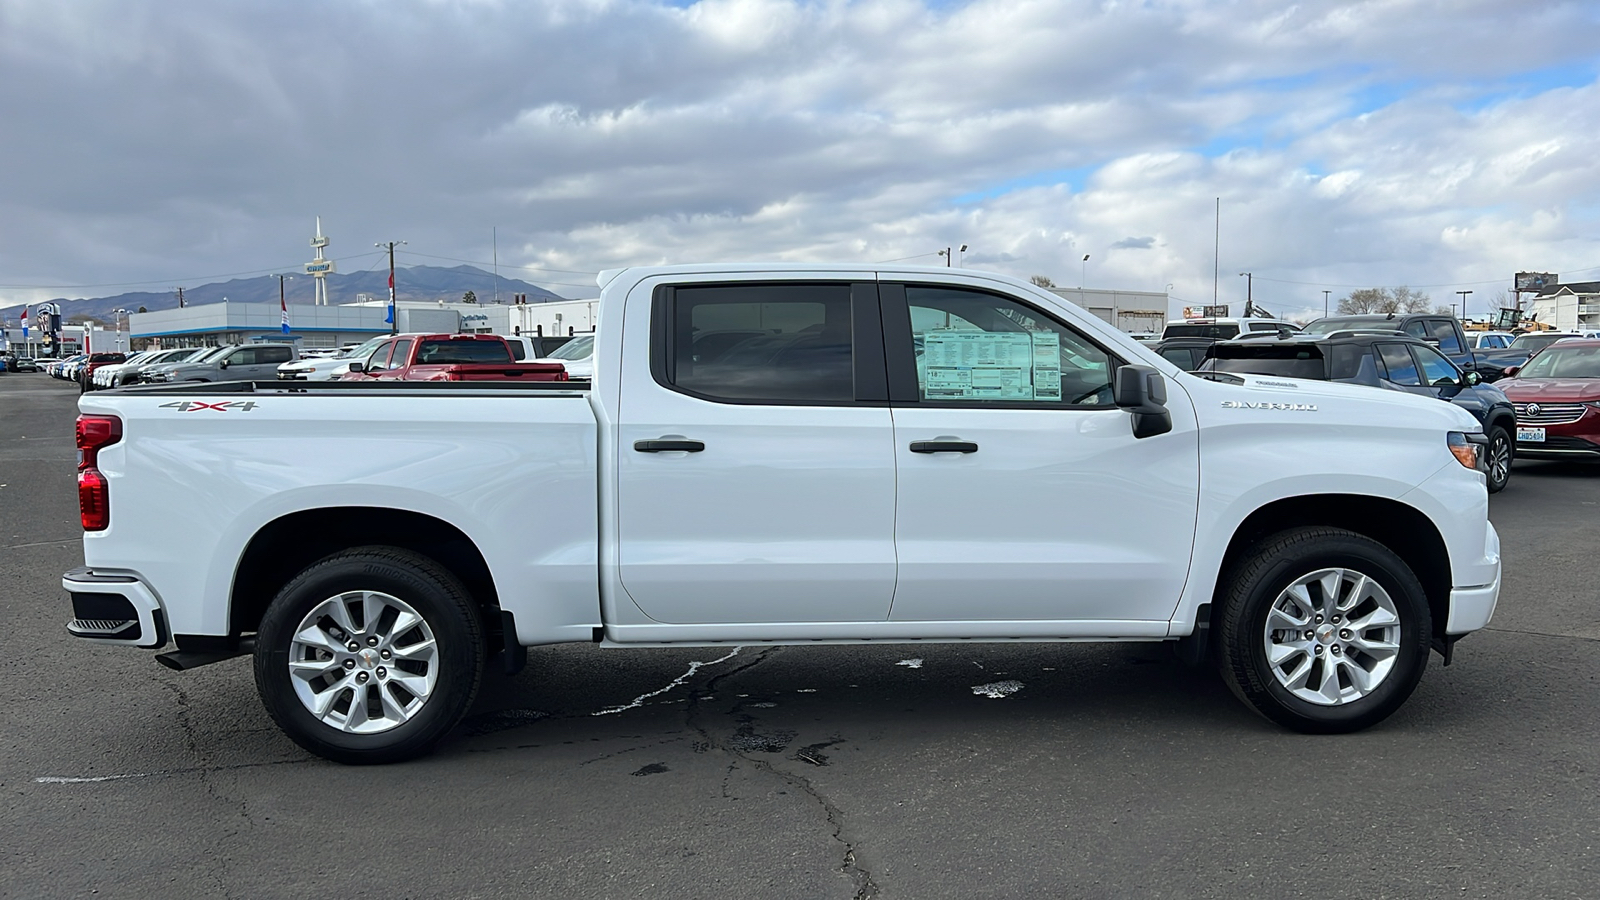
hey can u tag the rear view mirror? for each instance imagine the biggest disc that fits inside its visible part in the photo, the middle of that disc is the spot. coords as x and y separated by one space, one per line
1511 371
1142 391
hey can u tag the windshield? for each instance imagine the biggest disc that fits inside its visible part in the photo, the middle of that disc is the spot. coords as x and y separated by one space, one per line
1210 330
1329 326
1284 361
363 350
1564 362
1532 343
577 348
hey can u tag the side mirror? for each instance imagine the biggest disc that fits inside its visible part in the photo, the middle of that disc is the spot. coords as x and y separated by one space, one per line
223 364
357 368
1142 391
1471 379
1511 371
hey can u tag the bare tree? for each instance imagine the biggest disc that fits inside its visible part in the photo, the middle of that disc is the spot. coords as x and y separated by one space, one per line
1365 302
1381 301
1042 281
1408 300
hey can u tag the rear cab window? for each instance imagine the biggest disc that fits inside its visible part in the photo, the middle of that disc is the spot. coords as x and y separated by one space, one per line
448 352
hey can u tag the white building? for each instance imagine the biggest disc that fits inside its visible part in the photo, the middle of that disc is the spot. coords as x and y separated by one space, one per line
1131 311
1568 307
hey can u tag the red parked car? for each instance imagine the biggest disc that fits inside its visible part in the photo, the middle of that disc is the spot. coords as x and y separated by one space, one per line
1557 399
449 357
95 361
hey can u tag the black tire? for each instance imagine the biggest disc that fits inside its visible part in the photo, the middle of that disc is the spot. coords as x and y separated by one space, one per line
1256 584
428 588
1500 441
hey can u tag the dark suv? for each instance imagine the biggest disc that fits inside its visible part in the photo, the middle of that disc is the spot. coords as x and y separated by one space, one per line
1382 359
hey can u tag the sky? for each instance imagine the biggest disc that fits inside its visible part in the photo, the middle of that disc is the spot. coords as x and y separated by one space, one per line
1439 144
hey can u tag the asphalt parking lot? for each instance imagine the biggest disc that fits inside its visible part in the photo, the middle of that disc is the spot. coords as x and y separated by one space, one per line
804 772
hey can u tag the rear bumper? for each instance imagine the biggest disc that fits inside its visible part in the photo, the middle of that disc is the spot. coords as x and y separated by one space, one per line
114 608
1472 607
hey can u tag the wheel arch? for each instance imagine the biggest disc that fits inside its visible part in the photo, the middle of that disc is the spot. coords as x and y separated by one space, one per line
1404 529
283 547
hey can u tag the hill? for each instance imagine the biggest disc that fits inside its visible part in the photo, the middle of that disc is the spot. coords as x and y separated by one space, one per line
411 283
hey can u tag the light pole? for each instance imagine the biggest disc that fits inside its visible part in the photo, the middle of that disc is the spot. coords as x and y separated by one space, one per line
946 254
394 317
1463 303
116 322
1325 303
1249 291
961 255
1082 268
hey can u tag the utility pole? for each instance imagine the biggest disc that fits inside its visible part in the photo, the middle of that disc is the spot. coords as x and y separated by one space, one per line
494 240
1216 254
1325 303
1463 304
1249 292
394 315
180 297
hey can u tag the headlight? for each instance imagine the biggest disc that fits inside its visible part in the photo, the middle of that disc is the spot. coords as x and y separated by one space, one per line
1465 451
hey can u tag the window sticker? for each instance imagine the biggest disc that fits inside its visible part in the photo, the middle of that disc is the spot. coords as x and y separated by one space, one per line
982 365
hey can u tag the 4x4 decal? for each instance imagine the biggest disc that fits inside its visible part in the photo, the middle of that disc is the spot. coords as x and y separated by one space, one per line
197 405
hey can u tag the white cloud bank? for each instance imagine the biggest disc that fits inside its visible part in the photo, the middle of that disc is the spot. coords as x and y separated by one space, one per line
1357 143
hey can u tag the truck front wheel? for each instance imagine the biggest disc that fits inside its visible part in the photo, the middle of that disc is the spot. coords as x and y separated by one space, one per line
1324 631
371 655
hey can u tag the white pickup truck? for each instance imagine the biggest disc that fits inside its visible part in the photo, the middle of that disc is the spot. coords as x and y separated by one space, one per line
785 454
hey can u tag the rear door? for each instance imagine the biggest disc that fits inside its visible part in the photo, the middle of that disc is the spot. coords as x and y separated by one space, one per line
265 367
1023 494
755 478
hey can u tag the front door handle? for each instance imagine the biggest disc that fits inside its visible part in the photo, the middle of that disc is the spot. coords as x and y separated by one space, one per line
943 447
663 446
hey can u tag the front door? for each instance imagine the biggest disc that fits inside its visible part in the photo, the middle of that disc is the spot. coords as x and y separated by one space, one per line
1023 492
755 455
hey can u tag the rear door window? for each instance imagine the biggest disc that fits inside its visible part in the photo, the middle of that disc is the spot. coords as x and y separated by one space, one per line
1402 369
1444 331
775 343
272 355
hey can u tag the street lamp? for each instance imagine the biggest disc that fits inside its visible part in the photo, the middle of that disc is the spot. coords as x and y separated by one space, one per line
1249 291
1463 303
960 255
1082 268
116 322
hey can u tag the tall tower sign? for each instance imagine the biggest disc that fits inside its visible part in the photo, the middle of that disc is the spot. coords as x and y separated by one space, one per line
321 267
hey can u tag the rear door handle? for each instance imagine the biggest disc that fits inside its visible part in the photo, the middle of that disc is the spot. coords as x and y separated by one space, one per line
943 447
662 446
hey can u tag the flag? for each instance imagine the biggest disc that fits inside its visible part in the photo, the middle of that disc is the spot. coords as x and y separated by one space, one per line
285 307
24 323
388 316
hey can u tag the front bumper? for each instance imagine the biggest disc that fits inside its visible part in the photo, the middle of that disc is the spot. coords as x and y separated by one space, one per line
1472 607
114 608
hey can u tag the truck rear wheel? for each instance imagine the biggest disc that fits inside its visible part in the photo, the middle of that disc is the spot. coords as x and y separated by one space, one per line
371 655
1324 631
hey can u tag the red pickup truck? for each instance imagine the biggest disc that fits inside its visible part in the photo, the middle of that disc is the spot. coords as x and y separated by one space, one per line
449 357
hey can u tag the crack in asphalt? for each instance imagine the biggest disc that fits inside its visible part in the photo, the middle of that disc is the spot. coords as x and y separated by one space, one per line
850 866
1571 637
42 544
186 724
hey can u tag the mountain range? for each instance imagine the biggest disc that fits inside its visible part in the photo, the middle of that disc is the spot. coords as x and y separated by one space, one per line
411 283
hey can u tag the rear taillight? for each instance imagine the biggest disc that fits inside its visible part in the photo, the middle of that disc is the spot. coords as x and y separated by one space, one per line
94 495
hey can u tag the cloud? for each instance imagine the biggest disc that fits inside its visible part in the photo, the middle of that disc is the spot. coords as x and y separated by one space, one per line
154 142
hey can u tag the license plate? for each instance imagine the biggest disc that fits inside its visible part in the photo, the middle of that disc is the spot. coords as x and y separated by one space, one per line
1531 435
